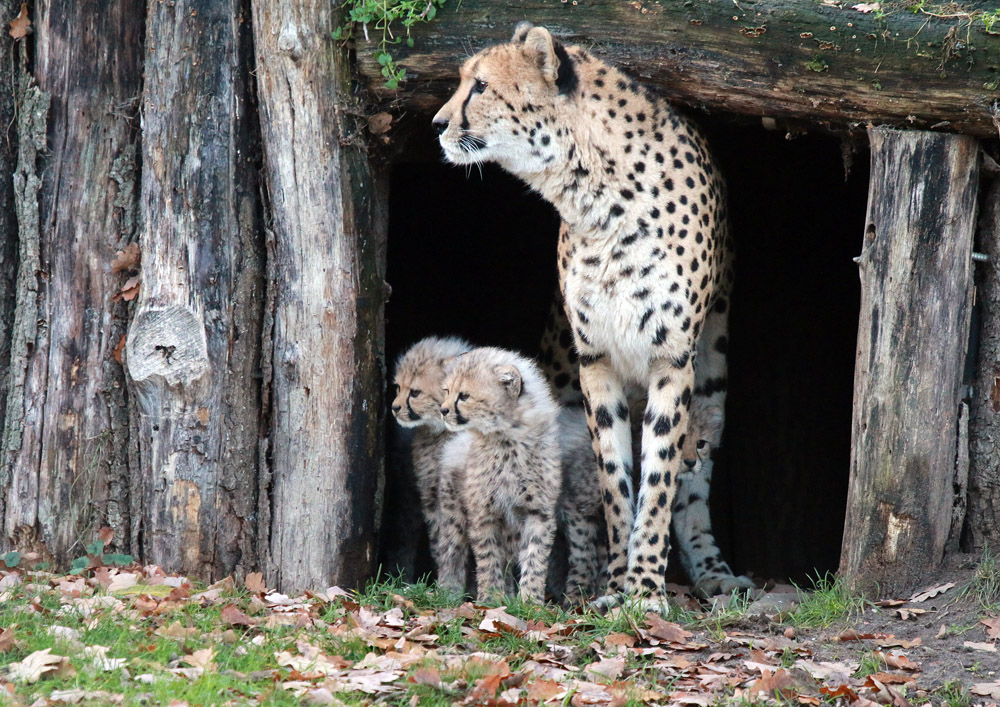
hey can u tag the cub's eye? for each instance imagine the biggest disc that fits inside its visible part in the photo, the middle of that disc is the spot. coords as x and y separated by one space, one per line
463 396
702 444
415 393
444 390
479 86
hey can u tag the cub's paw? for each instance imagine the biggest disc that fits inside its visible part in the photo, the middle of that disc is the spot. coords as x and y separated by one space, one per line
638 604
711 585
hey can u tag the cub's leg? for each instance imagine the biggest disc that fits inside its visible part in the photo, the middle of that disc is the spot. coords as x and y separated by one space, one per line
537 534
700 554
486 535
667 411
581 539
608 419
452 548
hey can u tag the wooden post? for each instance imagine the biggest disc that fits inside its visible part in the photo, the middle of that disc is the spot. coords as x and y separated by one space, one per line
328 264
193 346
916 281
983 519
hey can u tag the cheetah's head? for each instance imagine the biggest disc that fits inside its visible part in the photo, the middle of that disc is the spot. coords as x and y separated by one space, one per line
506 92
479 394
419 375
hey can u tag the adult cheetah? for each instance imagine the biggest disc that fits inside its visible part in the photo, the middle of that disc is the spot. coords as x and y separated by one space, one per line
641 261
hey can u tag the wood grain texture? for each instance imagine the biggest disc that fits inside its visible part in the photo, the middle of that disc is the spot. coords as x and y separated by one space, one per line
983 515
193 345
328 264
916 282
796 59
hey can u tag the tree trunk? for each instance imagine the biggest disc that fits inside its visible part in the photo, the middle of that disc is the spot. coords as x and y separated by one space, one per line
792 59
328 215
916 270
983 518
193 346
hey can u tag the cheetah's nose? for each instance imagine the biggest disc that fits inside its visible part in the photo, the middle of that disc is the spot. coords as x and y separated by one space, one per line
444 412
396 408
690 463
440 125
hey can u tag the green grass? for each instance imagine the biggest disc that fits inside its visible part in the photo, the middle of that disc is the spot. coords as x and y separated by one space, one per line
954 694
984 587
828 602
871 663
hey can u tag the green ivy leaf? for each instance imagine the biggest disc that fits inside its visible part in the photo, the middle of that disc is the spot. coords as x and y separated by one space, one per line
409 42
80 563
11 559
338 33
117 559
392 84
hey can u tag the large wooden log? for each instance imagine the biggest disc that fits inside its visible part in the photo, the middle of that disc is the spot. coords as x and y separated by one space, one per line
916 280
983 519
193 345
799 58
328 265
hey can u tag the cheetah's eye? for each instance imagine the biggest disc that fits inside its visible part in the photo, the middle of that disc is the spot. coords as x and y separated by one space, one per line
463 396
415 393
702 444
479 86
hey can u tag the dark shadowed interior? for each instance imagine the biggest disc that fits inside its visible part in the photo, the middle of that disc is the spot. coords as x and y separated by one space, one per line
472 253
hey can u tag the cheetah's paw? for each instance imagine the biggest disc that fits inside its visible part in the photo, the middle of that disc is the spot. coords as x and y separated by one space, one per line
637 604
711 585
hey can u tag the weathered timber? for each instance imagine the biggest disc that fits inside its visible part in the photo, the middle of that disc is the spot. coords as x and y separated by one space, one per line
795 59
983 513
193 345
71 459
328 220
916 283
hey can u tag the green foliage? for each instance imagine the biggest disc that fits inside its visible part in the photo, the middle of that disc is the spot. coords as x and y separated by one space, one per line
991 21
984 587
11 559
871 663
829 601
383 16
96 557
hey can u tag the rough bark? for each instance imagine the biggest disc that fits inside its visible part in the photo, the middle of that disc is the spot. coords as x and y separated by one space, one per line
328 221
916 281
793 59
69 464
193 346
983 518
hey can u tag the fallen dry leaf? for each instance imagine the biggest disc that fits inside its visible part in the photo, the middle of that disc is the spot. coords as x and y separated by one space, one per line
122 581
126 259
986 647
930 592
888 679
379 123
666 630
20 25
254 582
897 660
610 668
105 535
7 639
867 7
992 626
427 676
497 620
986 689
131 288
201 659
234 617
907 613
34 666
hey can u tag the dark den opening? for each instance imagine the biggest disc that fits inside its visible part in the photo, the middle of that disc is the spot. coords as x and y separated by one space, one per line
473 254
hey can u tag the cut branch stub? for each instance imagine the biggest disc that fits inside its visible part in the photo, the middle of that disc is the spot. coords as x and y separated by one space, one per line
167 346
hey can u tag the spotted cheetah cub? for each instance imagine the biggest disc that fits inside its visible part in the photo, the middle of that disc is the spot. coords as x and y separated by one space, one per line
512 474
420 373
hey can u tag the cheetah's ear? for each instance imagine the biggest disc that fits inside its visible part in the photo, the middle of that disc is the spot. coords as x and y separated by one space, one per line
510 378
521 31
540 41
447 363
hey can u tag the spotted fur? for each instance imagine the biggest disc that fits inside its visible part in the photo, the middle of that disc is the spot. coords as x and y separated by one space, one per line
642 261
512 471
419 375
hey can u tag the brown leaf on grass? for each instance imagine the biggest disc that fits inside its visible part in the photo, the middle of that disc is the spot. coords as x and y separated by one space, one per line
930 592
20 25
7 639
176 631
692 698
34 666
203 659
852 635
780 681
541 691
427 676
888 679
992 625
839 691
254 582
897 660
610 668
232 615
986 689
497 621
666 630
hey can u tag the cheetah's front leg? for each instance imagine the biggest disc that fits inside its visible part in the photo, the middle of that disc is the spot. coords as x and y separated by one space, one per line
537 534
486 528
664 424
608 419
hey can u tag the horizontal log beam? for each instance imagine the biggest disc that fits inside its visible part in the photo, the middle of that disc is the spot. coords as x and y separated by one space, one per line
798 59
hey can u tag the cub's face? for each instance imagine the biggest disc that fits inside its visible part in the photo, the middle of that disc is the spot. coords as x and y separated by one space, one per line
481 397
497 113
418 396
704 428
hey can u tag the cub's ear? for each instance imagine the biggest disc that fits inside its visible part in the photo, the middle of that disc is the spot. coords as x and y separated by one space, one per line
447 363
540 41
521 31
510 379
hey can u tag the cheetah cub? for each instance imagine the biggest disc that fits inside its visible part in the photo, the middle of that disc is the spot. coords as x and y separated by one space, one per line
512 472
420 372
